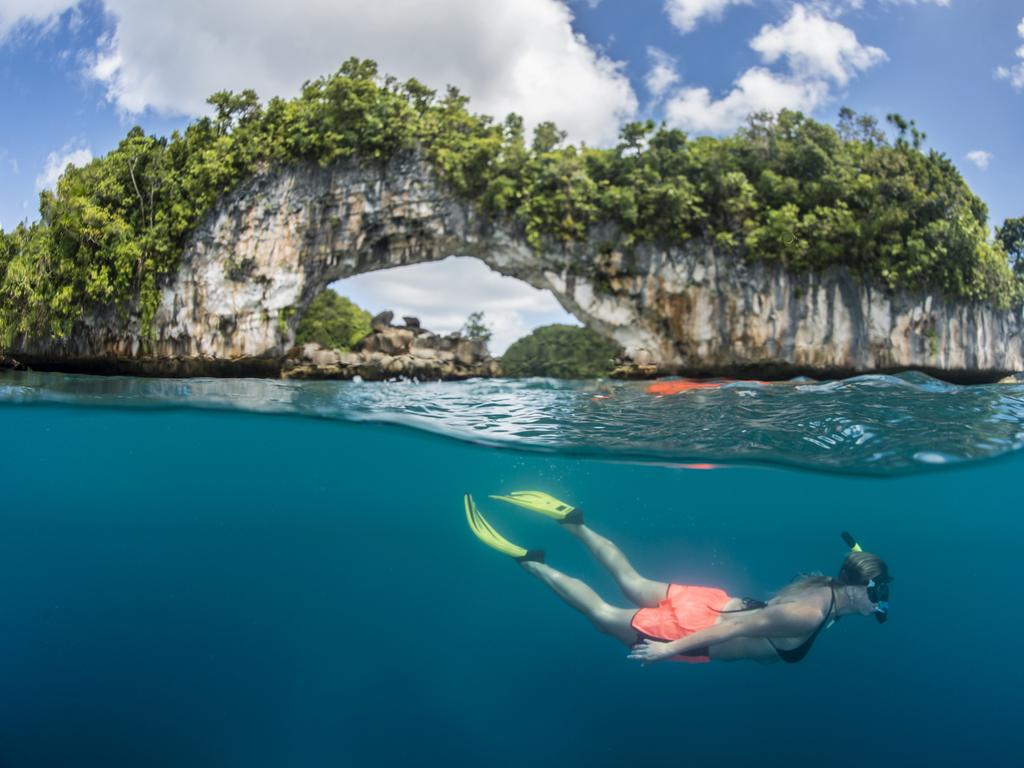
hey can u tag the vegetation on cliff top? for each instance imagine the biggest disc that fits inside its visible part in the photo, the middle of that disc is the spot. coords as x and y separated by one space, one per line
784 189
1011 237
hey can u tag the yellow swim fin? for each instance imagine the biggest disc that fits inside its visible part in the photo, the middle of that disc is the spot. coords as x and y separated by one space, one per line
544 504
484 531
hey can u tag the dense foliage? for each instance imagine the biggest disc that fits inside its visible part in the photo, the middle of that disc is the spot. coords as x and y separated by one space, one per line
561 352
1011 237
785 189
333 322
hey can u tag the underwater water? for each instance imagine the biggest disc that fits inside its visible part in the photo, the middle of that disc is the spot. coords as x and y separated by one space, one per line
258 573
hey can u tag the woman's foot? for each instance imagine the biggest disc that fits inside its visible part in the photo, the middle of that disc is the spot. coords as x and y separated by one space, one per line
484 531
545 504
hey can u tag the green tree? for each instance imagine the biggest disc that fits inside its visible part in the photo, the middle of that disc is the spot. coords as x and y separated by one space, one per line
332 321
547 136
1011 236
234 109
561 352
476 329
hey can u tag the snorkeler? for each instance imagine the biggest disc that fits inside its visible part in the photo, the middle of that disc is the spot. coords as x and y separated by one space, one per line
697 624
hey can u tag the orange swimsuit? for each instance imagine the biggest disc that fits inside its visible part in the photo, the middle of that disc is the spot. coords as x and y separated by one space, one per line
684 610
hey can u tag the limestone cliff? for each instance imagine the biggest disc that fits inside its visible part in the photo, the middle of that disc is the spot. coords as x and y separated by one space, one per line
256 262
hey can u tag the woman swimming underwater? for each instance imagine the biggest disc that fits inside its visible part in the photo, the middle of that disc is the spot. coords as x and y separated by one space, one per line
697 624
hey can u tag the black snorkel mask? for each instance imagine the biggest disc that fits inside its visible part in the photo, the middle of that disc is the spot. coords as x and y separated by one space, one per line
878 589
879 595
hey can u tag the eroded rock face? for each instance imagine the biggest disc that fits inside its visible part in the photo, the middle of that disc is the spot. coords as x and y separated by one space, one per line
395 352
9 363
253 266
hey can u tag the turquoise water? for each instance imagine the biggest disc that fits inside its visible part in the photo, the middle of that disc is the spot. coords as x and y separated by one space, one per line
259 573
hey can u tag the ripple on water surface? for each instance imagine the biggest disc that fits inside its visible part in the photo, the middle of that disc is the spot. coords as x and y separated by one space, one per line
874 424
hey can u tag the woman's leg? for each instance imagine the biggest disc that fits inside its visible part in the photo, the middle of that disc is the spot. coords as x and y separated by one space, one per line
613 621
642 592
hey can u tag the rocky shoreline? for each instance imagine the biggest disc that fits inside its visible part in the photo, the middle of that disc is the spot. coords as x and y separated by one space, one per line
9 363
392 355
394 352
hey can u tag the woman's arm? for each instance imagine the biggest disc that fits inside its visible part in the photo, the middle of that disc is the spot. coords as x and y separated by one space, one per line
785 620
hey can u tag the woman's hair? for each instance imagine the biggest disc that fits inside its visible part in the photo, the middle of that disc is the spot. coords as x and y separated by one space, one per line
857 570
861 567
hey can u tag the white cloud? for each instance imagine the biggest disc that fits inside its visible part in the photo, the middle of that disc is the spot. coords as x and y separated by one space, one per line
10 161
836 8
662 74
756 89
816 47
684 14
57 161
819 53
980 158
507 55
30 12
437 294
1014 74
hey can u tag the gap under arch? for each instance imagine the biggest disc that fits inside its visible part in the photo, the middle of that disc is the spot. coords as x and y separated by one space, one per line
442 294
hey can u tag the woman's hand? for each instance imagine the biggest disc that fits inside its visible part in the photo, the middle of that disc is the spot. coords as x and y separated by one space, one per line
651 650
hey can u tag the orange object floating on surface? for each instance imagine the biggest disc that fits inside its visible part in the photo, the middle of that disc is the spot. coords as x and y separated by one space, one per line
676 386
680 385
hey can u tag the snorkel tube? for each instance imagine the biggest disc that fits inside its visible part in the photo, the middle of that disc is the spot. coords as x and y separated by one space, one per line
851 542
877 593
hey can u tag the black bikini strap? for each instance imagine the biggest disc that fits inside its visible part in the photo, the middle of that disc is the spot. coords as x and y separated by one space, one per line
749 604
801 650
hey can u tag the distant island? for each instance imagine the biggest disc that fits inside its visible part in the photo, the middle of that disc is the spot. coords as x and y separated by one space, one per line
791 246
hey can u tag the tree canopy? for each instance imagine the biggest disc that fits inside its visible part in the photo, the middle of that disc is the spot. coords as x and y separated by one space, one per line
561 352
333 321
476 329
784 188
1011 237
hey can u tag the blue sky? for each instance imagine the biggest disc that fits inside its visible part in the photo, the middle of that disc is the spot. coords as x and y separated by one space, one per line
74 76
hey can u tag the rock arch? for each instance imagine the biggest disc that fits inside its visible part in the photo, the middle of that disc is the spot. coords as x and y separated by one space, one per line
255 263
